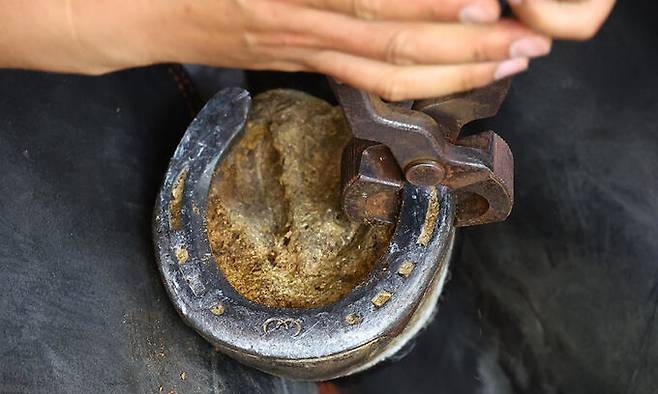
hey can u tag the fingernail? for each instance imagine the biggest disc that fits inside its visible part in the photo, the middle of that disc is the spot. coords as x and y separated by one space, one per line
474 13
510 67
530 47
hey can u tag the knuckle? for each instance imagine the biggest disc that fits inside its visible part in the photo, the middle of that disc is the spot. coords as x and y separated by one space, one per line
467 81
367 9
437 10
392 89
250 40
398 47
321 62
497 44
480 50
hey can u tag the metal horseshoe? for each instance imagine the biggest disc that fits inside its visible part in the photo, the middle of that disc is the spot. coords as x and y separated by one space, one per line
369 324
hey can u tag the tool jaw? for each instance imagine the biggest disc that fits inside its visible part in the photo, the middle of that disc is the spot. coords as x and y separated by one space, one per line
423 139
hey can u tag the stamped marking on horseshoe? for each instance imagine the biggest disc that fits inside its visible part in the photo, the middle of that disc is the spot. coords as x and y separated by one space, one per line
276 323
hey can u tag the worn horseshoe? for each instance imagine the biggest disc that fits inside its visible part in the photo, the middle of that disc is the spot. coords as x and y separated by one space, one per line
366 326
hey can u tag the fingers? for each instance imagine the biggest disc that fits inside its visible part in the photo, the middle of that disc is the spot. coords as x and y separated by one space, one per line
470 11
402 43
431 43
577 20
398 60
398 83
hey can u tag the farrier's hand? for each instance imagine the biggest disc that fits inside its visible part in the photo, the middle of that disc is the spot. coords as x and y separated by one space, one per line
567 19
396 48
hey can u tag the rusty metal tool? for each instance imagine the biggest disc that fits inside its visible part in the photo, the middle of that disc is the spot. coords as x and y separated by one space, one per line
419 143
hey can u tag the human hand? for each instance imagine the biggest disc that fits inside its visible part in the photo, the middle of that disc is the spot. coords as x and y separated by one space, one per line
396 49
